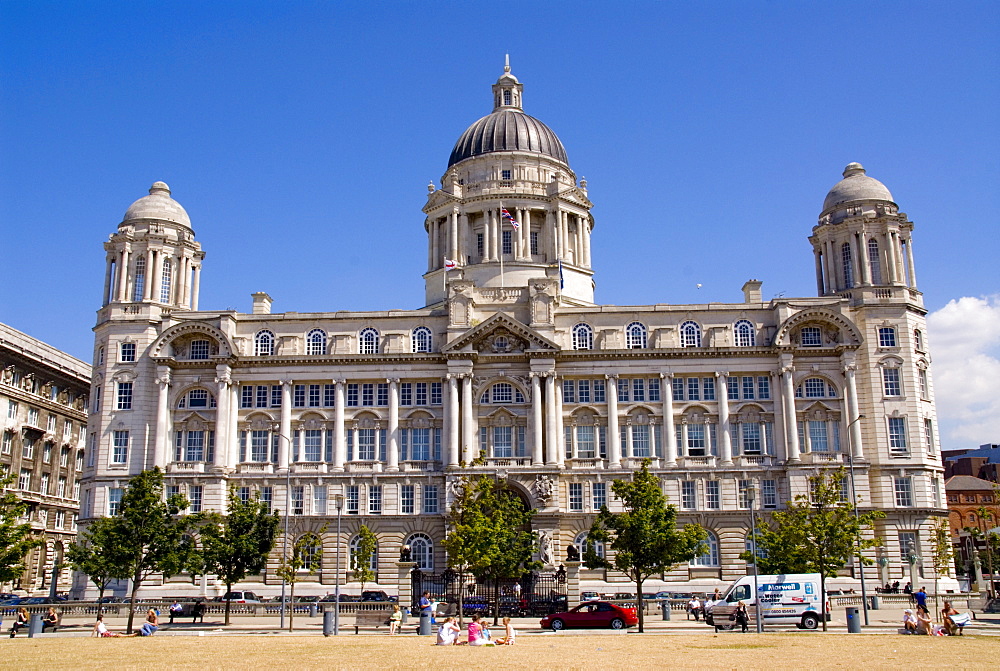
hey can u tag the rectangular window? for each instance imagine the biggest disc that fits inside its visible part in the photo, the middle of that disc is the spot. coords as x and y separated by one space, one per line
897 436
298 500
47 453
569 391
811 336
585 444
479 244
929 435
654 389
534 242
890 382
922 379
299 396
769 493
11 409
696 440
353 499
8 441
50 424
435 393
743 494
27 447
195 446
599 392
352 395
421 393
750 435
576 497
904 492
733 388
119 447
712 498
907 545
817 437
261 396
623 391
763 387
677 388
275 396
708 387
319 500
244 494
406 393
24 480
430 498
887 337
124 395
406 499
375 500
689 496
199 349
127 350
382 397
748 388
599 493
313 447
314 396
194 497
693 388
267 497
114 500
583 391
329 395
507 241
367 395
246 396
43 488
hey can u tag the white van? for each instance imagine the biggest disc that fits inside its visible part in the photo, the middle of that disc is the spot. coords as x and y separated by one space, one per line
784 599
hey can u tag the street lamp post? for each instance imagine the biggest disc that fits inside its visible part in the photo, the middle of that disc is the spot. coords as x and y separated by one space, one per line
338 501
284 545
753 534
857 515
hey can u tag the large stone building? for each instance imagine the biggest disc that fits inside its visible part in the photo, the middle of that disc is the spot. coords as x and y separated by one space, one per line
511 359
43 395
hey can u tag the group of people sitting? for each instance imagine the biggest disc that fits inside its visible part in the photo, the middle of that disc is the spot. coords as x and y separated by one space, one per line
449 633
148 628
919 622
49 621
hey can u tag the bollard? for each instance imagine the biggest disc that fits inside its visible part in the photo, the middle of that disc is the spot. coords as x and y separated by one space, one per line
425 623
35 625
328 623
853 623
874 603
312 610
665 608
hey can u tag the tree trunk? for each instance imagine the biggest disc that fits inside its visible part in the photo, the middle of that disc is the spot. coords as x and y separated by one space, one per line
291 604
822 596
136 581
100 598
638 601
229 598
496 601
461 597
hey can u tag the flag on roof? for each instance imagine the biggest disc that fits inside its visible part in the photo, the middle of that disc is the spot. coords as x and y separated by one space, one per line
450 264
506 215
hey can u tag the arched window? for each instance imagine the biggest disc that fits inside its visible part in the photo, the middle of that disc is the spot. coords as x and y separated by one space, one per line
845 252
873 261
581 545
421 551
197 398
583 337
816 387
421 339
316 342
165 281
502 392
690 334
972 518
263 343
709 552
744 333
635 336
918 340
310 551
140 278
368 341
354 545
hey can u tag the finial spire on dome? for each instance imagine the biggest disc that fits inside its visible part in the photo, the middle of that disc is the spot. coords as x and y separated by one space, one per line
159 187
507 91
506 64
854 168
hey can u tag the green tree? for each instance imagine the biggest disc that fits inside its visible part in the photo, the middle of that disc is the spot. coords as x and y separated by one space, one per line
148 533
236 545
361 559
943 554
16 537
307 554
489 534
816 533
645 538
97 555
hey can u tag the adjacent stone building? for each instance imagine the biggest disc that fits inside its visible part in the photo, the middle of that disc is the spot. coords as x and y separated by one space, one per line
43 397
512 359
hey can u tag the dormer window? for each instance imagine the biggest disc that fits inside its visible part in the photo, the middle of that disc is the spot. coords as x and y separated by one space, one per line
811 336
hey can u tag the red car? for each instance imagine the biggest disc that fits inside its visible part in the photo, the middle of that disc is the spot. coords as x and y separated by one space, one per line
590 615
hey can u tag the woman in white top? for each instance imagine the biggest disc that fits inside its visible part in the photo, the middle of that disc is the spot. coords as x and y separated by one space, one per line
448 632
508 636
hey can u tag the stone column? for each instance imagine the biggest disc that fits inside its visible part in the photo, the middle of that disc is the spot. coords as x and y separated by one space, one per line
788 405
614 434
537 456
780 451
820 288
122 276
156 277
910 267
862 260
162 444
669 430
585 237
684 439
526 239
550 228
519 236
468 420
433 232
108 273
285 427
725 431
233 446
196 287
222 438
560 431
392 447
890 257
551 439
453 421
857 450
339 433
453 241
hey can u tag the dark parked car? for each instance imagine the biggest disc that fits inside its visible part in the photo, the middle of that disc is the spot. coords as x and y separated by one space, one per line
592 615
377 595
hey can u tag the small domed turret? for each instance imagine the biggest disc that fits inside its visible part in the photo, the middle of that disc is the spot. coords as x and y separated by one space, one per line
856 185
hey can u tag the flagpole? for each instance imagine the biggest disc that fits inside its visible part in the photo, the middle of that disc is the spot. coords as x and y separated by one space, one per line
500 230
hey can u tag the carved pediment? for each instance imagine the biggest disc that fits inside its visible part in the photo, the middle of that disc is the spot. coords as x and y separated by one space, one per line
501 334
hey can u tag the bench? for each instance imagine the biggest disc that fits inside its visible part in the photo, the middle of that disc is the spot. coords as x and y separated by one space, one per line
52 626
195 611
370 618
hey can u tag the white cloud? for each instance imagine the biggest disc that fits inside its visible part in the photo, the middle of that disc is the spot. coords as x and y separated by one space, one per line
965 346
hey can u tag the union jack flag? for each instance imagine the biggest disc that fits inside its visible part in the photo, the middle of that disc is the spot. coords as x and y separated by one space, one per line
506 215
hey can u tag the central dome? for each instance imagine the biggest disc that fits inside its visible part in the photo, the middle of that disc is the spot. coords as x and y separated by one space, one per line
507 129
856 185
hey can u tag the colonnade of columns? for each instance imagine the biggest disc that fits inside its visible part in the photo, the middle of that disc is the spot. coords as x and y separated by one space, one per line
161 277
895 261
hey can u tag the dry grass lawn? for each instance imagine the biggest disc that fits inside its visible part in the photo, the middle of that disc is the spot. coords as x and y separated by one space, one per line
771 651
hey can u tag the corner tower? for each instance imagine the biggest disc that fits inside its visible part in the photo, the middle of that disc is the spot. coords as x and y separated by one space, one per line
509 209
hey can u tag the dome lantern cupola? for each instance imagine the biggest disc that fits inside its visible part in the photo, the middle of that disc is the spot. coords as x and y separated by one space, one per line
507 92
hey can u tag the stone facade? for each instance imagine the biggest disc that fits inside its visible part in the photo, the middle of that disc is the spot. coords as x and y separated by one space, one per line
43 397
511 359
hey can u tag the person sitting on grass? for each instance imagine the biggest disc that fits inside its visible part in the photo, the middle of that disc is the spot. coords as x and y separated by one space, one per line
909 622
508 635
448 632
923 621
950 627
101 630
477 633
151 625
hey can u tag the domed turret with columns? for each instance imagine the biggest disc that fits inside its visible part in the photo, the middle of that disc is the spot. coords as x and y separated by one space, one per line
509 210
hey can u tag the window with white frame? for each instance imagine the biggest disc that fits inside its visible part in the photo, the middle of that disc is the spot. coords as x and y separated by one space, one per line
811 336
431 499
886 336
903 487
197 398
200 349
195 495
263 343
124 396
368 341
769 493
744 333
8 442
918 340
599 494
582 545
502 392
126 352
690 334
24 480
924 386
744 494
33 416
907 545
709 552
43 488
407 499
635 336
352 499
421 551
11 409
119 447
713 500
114 500
165 280
897 436
891 381
576 497
421 339
316 342
873 261
848 261
140 279
28 447
375 499
583 337
929 434
689 496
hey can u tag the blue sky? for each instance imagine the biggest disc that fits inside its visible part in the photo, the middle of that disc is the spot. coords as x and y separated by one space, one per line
301 136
